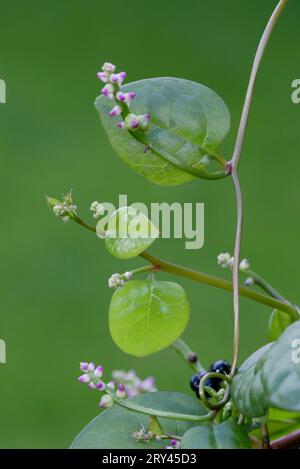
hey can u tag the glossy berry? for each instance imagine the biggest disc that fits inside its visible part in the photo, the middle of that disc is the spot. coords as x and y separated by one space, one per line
195 380
213 383
221 366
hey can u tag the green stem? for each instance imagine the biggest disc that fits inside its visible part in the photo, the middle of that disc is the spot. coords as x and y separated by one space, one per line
207 279
141 270
265 437
220 283
264 285
184 351
129 405
82 223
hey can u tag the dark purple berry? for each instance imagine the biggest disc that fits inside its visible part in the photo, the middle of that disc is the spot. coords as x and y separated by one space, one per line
195 380
221 366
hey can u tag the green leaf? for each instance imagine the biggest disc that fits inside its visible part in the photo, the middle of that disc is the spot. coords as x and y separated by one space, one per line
146 316
270 377
279 322
113 428
188 123
227 435
129 233
281 422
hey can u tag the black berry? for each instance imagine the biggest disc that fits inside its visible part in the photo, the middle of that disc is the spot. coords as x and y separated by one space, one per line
221 366
195 380
213 383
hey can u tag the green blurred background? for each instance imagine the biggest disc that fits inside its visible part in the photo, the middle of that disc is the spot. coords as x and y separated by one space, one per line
54 296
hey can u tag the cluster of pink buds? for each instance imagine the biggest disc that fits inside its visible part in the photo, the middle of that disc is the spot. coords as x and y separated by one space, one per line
112 91
133 384
92 377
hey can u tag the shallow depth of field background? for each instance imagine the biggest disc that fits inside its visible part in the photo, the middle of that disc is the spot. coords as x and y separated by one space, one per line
54 297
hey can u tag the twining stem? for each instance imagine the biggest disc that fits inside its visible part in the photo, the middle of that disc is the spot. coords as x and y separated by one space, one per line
249 95
196 276
130 405
184 351
234 164
235 270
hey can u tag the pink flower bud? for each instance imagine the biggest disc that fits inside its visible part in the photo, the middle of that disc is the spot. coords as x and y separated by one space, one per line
116 111
121 125
118 78
100 385
129 97
111 385
121 391
91 367
108 67
144 120
91 385
106 402
84 378
103 76
108 91
132 122
98 371
84 366
121 96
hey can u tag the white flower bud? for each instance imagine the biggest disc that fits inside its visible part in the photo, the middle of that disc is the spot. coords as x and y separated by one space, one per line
245 264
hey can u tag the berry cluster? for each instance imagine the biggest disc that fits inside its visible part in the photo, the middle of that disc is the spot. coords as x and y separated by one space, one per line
112 91
220 366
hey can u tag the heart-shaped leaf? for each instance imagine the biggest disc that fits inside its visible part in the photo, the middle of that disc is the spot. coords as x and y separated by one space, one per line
113 428
270 377
279 322
129 233
227 435
188 123
146 316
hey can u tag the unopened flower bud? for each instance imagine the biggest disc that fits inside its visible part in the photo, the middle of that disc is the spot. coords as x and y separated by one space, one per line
132 122
106 402
103 76
118 77
108 91
245 264
144 121
249 282
91 367
100 385
98 371
84 378
128 275
91 385
121 392
111 385
84 366
116 111
108 67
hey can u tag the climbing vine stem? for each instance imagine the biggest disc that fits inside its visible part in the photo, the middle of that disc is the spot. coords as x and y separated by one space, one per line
234 164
